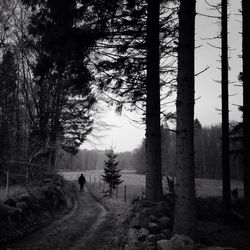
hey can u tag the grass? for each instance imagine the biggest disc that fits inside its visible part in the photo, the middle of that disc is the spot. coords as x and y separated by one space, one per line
136 183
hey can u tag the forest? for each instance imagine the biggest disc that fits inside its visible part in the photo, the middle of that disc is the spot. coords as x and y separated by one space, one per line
60 57
207 149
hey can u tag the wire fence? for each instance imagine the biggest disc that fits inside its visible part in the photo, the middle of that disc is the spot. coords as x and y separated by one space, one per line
132 187
126 192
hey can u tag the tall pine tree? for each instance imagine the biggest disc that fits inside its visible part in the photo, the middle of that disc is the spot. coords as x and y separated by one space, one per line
246 107
111 173
185 206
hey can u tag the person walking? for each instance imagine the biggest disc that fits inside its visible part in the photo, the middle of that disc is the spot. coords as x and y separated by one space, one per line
82 182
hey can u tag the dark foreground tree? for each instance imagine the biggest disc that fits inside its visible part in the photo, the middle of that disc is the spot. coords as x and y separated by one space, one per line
153 127
246 107
64 33
111 173
185 214
144 35
225 112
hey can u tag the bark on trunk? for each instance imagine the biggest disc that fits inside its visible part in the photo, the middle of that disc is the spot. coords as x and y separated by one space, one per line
185 207
226 191
246 107
153 129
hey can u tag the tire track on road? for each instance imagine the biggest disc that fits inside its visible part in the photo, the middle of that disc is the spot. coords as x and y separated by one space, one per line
72 231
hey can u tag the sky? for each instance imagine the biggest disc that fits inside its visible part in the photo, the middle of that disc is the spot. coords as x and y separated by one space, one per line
126 135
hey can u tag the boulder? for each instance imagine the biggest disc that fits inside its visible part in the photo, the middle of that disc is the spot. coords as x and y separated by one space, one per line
153 219
132 239
148 245
154 228
48 180
217 248
166 222
155 237
142 234
177 242
133 234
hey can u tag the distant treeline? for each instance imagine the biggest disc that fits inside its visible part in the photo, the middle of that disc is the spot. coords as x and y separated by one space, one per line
207 155
91 160
207 142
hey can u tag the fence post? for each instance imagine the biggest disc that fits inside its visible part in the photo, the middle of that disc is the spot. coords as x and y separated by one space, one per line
116 193
7 184
125 193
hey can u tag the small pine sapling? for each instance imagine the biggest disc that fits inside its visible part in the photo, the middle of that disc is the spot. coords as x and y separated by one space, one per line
111 173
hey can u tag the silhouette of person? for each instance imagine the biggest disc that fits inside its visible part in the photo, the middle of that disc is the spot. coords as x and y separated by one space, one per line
81 181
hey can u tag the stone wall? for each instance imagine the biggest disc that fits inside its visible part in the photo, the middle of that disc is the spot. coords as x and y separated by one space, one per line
25 213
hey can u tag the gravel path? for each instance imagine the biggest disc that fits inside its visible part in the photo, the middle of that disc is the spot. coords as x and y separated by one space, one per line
88 226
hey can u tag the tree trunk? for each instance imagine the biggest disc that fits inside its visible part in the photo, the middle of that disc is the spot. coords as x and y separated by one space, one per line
246 107
153 129
225 115
185 207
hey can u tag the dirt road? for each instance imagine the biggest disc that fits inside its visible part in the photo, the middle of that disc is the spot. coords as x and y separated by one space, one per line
88 226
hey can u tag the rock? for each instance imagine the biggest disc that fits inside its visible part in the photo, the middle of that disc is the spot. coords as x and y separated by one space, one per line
148 245
217 248
142 234
10 202
153 219
48 180
166 222
132 239
177 242
132 234
154 228
126 247
155 237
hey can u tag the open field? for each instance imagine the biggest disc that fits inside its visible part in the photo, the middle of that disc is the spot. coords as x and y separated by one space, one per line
135 183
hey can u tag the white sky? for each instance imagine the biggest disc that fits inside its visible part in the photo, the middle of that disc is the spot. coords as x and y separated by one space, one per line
126 135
